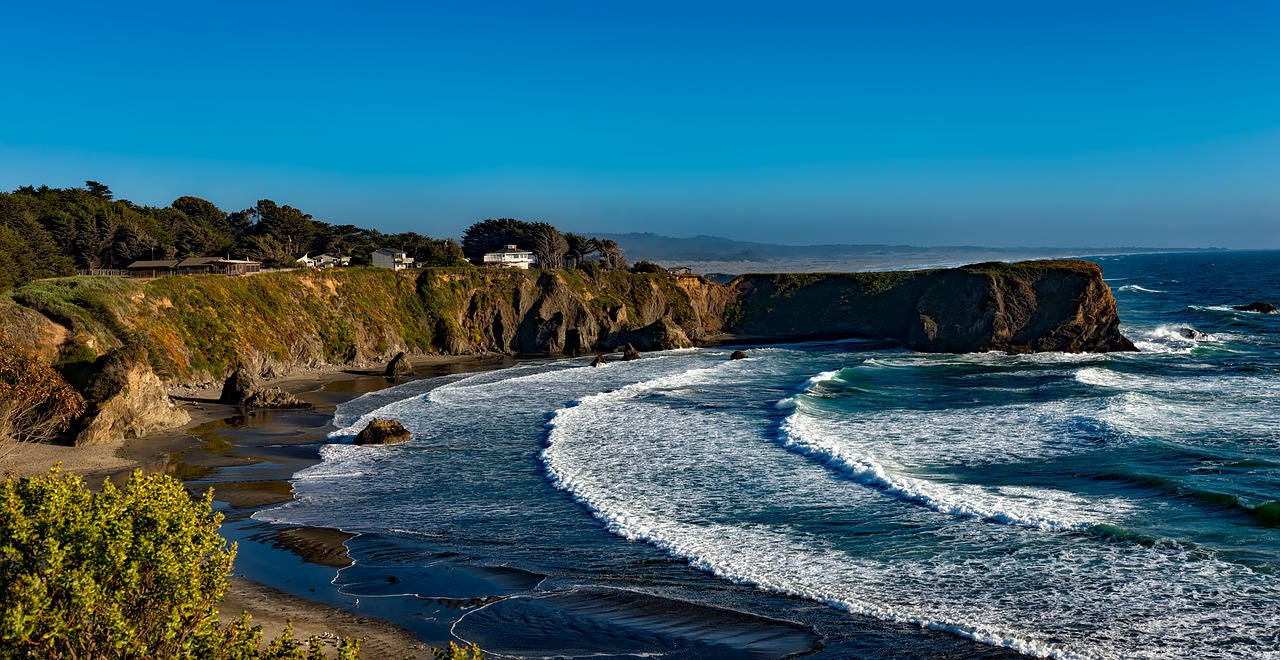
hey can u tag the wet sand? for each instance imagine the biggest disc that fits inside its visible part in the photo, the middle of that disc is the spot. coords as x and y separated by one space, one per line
280 574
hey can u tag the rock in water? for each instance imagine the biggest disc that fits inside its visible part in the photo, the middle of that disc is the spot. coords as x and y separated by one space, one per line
1259 307
738 355
382 432
1192 333
274 398
239 386
130 403
399 367
630 353
600 361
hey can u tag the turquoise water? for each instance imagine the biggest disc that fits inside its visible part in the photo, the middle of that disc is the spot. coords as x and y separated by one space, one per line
850 497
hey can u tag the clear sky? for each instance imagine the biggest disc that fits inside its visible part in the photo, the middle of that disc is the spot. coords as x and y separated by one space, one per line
932 123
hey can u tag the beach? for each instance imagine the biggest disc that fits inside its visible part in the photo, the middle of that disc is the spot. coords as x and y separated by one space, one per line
281 574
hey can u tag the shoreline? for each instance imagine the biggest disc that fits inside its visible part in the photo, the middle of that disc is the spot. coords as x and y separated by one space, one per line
293 572
248 460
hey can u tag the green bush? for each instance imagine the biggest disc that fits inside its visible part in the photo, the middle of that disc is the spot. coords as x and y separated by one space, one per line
121 573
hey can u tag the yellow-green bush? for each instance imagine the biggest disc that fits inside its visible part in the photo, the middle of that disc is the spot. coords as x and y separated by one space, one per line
122 573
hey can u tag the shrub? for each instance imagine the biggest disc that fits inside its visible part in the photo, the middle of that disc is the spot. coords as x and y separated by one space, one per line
36 404
646 267
132 573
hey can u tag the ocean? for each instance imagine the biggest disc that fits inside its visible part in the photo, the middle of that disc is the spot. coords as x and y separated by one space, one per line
845 499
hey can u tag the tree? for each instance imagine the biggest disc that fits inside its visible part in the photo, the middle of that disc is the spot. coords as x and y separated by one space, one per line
489 235
98 190
442 253
270 251
293 228
578 246
121 573
610 253
548 245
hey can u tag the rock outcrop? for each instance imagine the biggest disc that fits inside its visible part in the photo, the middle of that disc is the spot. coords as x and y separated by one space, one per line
630 353
382 432
738 355
1192 333
600 361
1060 305
129 402
274 398
243 388
239 386
1259 307
399 367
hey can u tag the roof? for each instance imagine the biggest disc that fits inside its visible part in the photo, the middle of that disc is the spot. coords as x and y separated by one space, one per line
165 263
510 249
197 261
388 251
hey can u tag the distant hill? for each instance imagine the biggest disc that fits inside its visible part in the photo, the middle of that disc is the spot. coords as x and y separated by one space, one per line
714 253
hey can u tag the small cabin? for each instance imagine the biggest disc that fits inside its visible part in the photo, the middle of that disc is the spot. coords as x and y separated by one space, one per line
152 268
509 256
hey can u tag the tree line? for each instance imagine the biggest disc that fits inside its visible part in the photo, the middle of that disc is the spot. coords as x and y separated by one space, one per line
51 232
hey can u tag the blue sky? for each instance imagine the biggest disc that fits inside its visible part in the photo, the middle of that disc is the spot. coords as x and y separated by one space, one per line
932 123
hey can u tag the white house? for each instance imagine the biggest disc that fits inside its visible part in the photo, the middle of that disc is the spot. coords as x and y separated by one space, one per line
509 256
331 261
393 259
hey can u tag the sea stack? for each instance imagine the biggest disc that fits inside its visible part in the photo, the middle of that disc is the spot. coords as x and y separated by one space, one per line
383 432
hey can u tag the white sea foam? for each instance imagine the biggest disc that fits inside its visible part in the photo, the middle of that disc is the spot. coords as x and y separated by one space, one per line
671 479
1135 287
880 449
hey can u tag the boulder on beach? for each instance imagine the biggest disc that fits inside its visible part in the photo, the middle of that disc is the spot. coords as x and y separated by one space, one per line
242 388
600 361
239 386
630 353
738 355
1259 307
274 398
382 432
399 367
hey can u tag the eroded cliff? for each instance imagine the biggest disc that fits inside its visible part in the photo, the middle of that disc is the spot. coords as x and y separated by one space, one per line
1031 306
199 329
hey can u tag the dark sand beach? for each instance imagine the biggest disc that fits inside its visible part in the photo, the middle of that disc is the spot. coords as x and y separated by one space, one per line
281 574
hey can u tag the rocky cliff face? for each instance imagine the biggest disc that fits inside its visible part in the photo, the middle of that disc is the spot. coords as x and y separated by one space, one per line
134 403
1060 305
561 313
198 329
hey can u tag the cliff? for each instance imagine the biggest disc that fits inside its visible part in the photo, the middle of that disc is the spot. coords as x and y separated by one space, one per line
199 328
1032 306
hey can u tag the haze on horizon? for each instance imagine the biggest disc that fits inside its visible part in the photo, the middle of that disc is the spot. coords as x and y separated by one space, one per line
926 123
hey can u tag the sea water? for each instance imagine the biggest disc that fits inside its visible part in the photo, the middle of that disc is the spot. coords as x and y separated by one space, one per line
1056 505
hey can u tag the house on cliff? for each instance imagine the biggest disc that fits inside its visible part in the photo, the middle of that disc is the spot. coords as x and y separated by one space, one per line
152 268
509 256
322 261
217 266
193 266
391 259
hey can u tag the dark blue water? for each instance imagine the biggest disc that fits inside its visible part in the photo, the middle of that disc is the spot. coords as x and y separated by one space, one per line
853 498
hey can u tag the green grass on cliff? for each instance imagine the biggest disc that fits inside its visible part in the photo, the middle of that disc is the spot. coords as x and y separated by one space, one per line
610 289
1021 269
213 318
199 326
